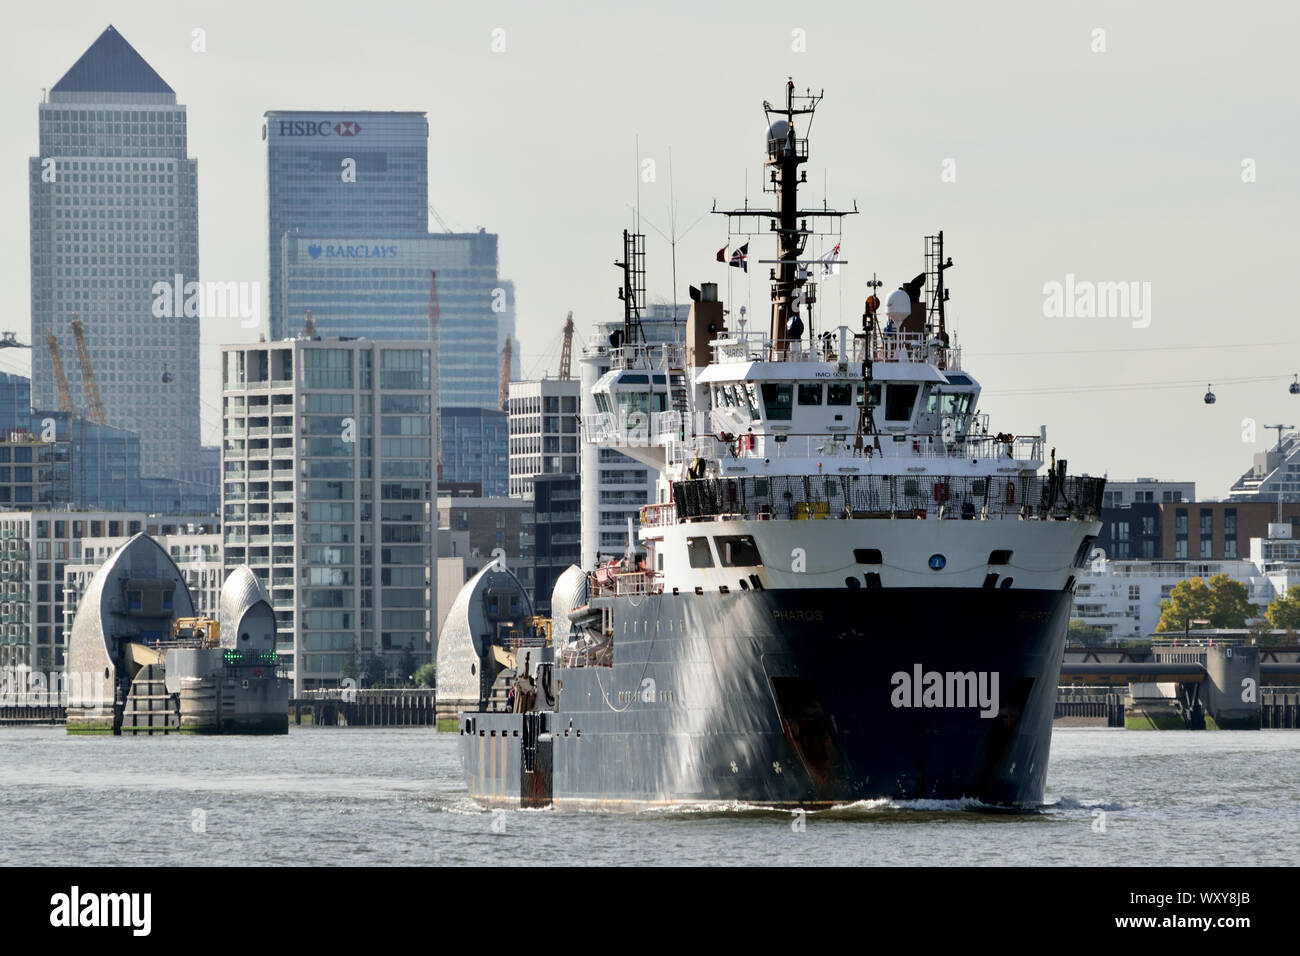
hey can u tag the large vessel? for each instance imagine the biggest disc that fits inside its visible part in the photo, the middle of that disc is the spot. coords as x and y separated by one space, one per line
848 588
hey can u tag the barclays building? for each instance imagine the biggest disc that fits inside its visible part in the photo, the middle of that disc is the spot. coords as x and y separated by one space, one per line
356 174
380 288
349 241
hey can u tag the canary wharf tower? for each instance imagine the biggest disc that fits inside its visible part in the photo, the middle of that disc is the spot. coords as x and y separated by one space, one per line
114 211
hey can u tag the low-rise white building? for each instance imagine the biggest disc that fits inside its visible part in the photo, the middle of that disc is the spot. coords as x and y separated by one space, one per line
1123 597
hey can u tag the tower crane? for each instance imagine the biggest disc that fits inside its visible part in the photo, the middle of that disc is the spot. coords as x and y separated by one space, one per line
93 405
505 374
60 379
566 354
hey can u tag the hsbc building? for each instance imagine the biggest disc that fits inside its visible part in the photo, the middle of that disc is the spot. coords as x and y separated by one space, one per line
339 173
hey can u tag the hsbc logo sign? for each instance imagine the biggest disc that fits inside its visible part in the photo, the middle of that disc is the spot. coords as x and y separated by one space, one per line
321 128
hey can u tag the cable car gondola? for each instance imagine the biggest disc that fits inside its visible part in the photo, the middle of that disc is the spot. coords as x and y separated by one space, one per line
1209 395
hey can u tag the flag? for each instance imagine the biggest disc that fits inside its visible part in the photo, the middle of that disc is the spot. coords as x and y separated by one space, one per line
722 254
741 257
831 262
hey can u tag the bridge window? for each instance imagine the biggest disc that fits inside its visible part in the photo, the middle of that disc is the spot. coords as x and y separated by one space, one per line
810 394
738 550
875 395
950 406
778 400
899 400
839 394
697 552
749 392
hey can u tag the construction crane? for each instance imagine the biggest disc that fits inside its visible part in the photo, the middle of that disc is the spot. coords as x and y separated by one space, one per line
505 374
445 228
94 408
60 379
10 341
566 354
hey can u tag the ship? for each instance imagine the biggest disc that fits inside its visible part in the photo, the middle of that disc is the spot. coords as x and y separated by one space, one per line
849 588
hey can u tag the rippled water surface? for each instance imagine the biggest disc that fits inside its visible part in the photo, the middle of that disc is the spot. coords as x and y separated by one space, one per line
375 797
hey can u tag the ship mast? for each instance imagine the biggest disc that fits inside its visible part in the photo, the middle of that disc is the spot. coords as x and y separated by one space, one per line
786 152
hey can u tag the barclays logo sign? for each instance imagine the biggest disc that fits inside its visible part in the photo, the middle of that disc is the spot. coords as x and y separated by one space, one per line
351 252
321 128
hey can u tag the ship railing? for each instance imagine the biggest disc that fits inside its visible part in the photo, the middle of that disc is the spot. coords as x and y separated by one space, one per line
664 356
801 497
703 447
841 442
777 148
666 424
756 346
633 428
658 516
605 582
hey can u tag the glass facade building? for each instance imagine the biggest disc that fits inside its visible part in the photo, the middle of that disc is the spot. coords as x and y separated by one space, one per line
355 174
329 495
114 210
475 449
379 288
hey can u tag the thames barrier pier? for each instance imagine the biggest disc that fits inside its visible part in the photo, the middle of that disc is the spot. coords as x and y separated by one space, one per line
147 665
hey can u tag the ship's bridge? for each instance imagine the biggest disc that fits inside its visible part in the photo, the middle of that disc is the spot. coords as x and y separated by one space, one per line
641 400
805 403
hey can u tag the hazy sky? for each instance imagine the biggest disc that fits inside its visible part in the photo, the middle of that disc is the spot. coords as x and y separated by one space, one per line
1117 166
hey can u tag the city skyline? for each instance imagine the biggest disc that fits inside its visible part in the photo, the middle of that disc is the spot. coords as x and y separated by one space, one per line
1073 158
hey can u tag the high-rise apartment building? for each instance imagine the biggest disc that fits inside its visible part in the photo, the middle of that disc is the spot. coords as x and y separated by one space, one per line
543 431
329 495
114 213
544 456
475 450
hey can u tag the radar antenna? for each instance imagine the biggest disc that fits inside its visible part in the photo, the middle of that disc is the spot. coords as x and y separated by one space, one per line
786 152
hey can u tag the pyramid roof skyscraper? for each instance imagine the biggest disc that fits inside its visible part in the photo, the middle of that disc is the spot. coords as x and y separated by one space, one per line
111 65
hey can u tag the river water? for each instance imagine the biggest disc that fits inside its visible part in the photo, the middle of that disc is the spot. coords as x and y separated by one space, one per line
364 796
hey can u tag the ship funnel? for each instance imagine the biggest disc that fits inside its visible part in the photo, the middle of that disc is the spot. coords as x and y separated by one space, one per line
708 292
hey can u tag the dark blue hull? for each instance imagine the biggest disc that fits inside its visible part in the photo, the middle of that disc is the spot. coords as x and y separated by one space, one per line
791 698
